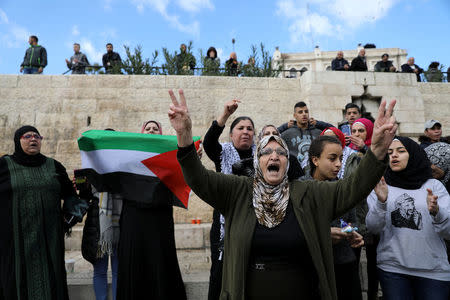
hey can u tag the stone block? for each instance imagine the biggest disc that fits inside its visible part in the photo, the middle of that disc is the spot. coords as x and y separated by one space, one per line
34 81
60 81
308 78
113 81
79 105
189 237
336 78
220 82
147 81
67 147
183 82
364 78
410 128
284 83
82 81
252 83
8 81
153 94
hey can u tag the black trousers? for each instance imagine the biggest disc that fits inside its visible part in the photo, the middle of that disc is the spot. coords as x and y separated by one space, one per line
348 285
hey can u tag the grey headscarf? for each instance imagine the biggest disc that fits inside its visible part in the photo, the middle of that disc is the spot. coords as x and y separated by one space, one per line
270 201
439 155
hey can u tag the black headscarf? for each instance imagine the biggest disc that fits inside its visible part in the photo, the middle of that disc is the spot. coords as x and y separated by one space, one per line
21 157
417 171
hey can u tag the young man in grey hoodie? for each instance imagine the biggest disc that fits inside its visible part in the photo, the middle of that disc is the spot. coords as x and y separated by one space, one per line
35 59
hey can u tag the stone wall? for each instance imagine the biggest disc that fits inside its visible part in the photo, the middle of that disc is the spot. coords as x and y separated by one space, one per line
62 107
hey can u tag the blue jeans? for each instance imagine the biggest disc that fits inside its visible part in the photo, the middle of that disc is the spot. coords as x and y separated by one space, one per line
398 286
30 70
101 276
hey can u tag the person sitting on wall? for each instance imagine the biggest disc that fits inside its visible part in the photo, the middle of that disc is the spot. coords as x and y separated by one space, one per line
340 63
359 63
410 67
385 65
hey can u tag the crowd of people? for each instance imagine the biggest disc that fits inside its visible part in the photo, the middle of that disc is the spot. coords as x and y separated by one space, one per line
293 206
35 60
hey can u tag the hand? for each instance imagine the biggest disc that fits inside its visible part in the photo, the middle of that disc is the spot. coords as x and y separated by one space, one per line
228 109
67 61
437 172
384 130
312 121
291 123
180 119
347 139
432 203
416 71
346 67
358 142
21 69
355 239
75 61
200 150
392 69
40 70
337 235
381 190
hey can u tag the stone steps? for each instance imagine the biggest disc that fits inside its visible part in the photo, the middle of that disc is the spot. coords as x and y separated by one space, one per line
187 236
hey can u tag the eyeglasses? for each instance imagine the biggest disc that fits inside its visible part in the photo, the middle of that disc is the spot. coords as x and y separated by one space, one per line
29 136
268 151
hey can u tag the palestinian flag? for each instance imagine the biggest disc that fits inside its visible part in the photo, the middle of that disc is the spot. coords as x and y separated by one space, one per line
142 167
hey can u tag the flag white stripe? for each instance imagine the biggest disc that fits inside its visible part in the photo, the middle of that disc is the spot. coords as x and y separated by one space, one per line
115 160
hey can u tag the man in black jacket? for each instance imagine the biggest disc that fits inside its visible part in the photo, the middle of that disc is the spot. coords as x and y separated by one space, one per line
410 67
359 63
35 58
385 65
339 63
111 60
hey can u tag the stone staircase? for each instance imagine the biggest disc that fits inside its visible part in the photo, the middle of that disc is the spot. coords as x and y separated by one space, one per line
192 242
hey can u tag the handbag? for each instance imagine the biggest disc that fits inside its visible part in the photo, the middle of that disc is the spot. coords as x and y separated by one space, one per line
91 233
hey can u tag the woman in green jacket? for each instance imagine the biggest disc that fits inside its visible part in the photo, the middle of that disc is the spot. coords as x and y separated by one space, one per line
268 217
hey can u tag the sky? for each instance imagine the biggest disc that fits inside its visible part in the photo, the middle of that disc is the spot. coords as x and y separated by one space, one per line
419 26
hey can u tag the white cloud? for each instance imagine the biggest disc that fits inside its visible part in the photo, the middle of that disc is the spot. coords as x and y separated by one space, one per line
14 36
93 55
321 18
195 5
107 5
3 17
75 31
174 20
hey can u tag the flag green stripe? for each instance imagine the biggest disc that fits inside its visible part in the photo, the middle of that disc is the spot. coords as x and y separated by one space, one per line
101 139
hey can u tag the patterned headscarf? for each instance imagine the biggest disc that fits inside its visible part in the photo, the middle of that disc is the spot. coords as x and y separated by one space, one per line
270 201
151 121
369 129
439 155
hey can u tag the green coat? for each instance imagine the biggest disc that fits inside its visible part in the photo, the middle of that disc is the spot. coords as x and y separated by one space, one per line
315 205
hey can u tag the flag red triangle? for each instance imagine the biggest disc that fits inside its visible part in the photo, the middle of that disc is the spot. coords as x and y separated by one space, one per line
168 170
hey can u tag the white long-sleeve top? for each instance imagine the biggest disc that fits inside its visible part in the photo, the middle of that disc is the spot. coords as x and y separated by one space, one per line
411 240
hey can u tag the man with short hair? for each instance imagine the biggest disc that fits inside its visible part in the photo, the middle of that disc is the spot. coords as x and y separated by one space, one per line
111 60
185 61
352 113
433 134
359 63
78 61
299 137
35 59
411 67
339 63
385 65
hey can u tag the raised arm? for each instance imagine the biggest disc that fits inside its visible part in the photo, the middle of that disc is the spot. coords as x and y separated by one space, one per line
216 189
348 192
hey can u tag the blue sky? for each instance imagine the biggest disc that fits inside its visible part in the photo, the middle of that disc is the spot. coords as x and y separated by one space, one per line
419 26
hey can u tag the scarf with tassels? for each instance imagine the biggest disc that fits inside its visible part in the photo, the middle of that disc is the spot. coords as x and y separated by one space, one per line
270 201
110 208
